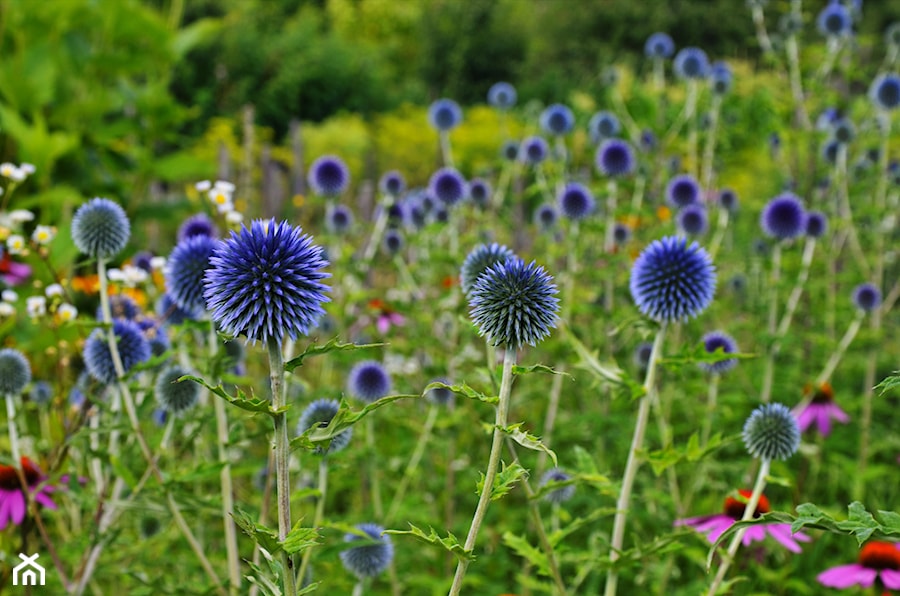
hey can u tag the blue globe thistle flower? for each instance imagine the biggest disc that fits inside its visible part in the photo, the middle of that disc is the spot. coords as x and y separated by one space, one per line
866 297
885 91
691 63
318 414
156 335
830 151
575 201
714 340
121 306
133 349
659 45
440 214
834 20
545 217
641 356
479 260
843 131
621 233
15 372
557 119
479 191
721 77
392 183
783 217
170 313
826 119
174 397
558 495
509 151
502 95
444 114
41 393
447 186
185 269
371 559
368 381
265 282
393 241
338 219
603 125
513 303
728 199
771 432
439 395
534 150
615 158
197 225
328 176
142 260
816 224
682 191
672 280
648 140
100 228
692 220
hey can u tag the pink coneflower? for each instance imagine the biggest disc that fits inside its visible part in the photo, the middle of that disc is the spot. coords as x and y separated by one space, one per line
12 498
821 409
12 273
714 525
386 316
878 561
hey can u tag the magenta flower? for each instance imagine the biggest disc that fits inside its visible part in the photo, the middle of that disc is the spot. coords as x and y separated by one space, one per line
715 525
12 498
878 561
386 316
821 409
12 273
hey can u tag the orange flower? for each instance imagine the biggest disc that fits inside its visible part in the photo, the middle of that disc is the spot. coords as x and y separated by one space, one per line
663 213
87 284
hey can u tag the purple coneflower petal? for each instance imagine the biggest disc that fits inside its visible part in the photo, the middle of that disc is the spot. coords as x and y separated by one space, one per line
891 579
44 499
823 422
754 534
806 417
782 533
838 414
844 576
16 506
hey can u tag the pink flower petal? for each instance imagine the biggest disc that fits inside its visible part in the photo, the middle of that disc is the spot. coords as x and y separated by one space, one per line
754 534
845 576
45 500
397 319
838 414
806 417
4 510
17 506
891 579
18 272
824 421
383 324
782 533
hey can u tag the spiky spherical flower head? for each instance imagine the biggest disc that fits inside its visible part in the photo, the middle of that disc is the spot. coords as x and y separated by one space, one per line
100 228
834 20
197 225
15 372
479 191
143 260
534 150
783 217
447 186
318 414
830 150
771 432
509 151
328 176
545 217
866 297
691 63
728 199
440 396
621 233
558 495
714 340
174 397
479 260
392 183
843 131
338 219
170 313
885 91
641 356
265 282
371 559
121 306
557 119
444 114
659 45
603 125
672 280
393 241
133 349
368 381
514 303
816 224
185 269
720 77
682 191
41 393
502 95
576 201
615 158
692 220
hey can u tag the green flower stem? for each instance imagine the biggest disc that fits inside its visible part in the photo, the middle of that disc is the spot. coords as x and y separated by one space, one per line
381 218
502 185
833 47
618 535
509 359
845 213
413 464
793 52
282 455
765 393
659 73
374 475
687 116
407 277
446 152
711 399
749 510
759 22
721 227
835 359
609 244
542 182
320 515
13 433
550 418
637 198
634 131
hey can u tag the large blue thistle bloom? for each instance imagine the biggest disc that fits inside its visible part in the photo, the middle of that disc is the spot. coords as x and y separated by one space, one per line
834 20
370 559
885 91
714 340
444 114
615 158
692 220
534 150
771 432
15 372
502 95
783 217
691 63
672 280
133 349
866 297
659 45
557 119
479 260
368 381
682 191
448 186
328 176
576 201
265 282
318 414
197 225
184 272
100 228
392 183
513 303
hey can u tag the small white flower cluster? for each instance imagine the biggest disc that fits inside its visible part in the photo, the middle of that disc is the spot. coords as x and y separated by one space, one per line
37 306
129 275
13 236
221 194
16 173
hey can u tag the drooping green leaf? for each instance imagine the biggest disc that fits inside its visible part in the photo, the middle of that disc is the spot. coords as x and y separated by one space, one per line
463 390
529 552
451 544
538 368
332 345
242 400
528 440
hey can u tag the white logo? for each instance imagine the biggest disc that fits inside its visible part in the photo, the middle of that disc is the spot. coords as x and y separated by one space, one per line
28 573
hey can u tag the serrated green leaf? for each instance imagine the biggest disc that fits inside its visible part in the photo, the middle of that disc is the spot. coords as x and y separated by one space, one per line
332 345
505 480
532 554
891 382
528 441
299 539
890 521
579 522
450 543
267 538
693 354
610 373
463 390
242 401
662 459
538 368
342 420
